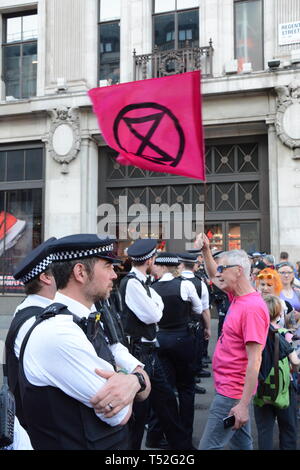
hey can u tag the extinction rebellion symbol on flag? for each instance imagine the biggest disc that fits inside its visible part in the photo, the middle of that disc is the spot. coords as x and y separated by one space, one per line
145 128
154 124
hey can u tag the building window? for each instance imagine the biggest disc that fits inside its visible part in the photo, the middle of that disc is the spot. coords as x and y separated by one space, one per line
248 16
21 209
175 24
109 41
234 235
20 55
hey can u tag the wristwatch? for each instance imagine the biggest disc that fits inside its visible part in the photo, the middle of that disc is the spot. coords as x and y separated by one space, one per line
141 380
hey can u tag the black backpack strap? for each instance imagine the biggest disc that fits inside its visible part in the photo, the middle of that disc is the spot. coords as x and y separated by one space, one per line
199 293
132 275
276 364
271 348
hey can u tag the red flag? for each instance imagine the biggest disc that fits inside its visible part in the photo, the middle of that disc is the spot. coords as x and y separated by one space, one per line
154 124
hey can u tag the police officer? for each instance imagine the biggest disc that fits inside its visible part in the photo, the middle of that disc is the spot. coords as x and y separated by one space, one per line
60 369
188 266
199 272
143 308
35 273
177 342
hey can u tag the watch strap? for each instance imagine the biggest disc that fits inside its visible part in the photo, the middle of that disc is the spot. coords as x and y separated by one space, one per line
141 380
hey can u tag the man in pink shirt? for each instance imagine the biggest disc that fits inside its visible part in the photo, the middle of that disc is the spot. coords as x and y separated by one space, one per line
237 356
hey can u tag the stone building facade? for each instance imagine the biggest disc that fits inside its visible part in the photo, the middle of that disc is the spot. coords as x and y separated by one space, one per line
55 168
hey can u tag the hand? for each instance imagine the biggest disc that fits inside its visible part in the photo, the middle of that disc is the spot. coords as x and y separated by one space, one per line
207 333
241 413
118 392
202 242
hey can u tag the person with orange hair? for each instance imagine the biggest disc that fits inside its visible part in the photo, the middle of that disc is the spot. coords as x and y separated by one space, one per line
268 281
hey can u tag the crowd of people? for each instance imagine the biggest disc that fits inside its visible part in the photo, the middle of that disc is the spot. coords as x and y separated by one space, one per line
95 360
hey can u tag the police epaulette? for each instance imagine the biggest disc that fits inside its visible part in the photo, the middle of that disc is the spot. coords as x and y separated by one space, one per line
52 310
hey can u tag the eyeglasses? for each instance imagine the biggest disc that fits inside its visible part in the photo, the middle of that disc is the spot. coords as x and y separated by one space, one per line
285 273
221 267
265 276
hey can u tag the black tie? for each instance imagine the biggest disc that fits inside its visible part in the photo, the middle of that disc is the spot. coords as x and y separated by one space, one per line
147 288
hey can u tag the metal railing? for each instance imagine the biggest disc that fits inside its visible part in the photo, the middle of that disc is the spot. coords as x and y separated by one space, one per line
161 63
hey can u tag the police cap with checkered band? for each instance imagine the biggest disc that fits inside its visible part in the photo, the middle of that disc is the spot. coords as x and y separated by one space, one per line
188 257
167 259
84 245
142 249
195 251
35 263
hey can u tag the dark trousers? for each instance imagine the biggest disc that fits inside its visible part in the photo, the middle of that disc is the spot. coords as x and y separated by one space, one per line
177 352
199 349
164 404
265 417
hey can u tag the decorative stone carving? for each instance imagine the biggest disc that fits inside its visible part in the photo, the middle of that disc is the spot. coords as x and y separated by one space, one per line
288 116
64 135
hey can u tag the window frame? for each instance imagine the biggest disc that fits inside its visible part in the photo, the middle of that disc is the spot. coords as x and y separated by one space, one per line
176 30
262 30
21 43
6 186
99 23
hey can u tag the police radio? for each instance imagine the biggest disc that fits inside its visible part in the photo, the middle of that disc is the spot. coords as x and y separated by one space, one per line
7 413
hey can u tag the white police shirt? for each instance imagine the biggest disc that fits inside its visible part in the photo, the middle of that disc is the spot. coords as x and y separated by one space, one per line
33 300
204 294
147 309
21 438
187 292
58 354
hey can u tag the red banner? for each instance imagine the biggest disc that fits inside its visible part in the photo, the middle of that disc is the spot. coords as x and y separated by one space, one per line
154 124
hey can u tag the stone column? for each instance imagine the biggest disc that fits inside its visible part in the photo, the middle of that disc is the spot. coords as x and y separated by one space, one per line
273 190
136 33
42 55
216 23
287 125
89 184
68 26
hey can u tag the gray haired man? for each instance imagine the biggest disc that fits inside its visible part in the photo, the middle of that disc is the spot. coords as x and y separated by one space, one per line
237 356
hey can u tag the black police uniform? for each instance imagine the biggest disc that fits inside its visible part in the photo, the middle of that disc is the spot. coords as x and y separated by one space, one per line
162 398
57 421
200 342
177 343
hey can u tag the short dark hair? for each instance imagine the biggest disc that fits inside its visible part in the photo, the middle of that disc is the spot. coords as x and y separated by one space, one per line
34 286
188 265
284 255
63 270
